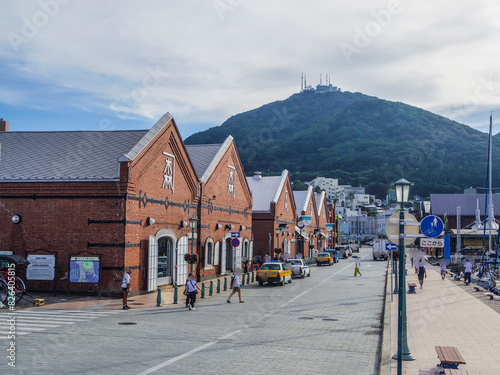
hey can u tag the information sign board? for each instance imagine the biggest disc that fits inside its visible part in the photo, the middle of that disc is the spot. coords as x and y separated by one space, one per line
84 269
41 267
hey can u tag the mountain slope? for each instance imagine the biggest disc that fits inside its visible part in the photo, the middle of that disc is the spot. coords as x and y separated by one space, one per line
360 139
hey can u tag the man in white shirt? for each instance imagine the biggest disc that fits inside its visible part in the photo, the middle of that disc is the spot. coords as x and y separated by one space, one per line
126 288
467 271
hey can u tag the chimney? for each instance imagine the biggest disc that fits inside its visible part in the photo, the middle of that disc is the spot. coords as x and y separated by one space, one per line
4 125
257 176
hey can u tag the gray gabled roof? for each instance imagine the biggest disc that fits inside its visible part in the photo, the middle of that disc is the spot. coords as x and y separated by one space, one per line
64 155
266 190
71 155
319 201
206 157
302 198
448 203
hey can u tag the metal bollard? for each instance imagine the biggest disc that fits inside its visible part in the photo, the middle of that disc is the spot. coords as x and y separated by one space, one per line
225 284
211 288
243 281
253 277
202 290
218 285
158 297
176 295
248 278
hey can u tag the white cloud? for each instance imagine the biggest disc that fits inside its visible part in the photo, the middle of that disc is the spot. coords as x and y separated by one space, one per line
142 59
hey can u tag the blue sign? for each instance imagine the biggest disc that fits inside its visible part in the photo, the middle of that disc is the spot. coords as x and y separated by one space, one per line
235 234
431 226
391 246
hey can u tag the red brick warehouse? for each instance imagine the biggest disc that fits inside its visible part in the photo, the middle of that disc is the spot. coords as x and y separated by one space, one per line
124 196
274 215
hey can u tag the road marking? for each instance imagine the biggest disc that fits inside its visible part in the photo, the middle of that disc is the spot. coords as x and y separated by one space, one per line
29 321
187 354
209 344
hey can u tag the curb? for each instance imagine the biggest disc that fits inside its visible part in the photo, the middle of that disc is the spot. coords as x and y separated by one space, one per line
384 367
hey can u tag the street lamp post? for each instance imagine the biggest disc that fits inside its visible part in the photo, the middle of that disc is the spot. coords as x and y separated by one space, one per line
193 223
403 354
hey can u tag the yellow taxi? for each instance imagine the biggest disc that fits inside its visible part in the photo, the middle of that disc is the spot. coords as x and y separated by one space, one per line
324 258
274 272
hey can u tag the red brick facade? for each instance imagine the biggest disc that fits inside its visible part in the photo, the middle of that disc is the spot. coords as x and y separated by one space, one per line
145 211
225 207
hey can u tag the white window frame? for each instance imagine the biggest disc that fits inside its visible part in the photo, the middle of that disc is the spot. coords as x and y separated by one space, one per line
208 265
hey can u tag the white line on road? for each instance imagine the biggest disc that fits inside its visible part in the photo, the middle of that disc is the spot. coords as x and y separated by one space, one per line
199 348
187 354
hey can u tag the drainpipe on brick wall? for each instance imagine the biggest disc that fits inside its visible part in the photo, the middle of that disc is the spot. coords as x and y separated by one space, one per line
198 233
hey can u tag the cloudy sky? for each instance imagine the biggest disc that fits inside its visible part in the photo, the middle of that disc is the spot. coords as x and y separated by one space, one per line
90 65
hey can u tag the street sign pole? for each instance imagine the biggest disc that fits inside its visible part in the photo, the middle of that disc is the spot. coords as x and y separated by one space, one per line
392 275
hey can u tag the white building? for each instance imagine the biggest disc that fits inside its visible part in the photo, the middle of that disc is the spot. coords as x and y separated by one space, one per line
330 186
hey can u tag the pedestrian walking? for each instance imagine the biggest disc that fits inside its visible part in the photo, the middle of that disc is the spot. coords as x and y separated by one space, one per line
191 291
126 288
357 266
412 259
186 292
467 272
443 270
422 273
235 284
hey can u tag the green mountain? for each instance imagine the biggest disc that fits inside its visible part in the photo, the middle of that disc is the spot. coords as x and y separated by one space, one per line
359 139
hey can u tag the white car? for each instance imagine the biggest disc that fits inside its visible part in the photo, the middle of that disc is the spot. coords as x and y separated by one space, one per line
299 268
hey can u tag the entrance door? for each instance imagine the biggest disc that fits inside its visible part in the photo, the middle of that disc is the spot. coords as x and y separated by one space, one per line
165 259
181 266
152 263
229 255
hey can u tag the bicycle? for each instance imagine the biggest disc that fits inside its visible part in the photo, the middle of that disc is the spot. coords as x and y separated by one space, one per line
18 287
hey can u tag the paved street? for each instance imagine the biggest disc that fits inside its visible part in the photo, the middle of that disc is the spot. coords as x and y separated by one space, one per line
326 324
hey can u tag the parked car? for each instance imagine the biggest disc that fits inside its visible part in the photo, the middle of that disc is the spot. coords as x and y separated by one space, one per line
324 258
274 272
298 267
334 254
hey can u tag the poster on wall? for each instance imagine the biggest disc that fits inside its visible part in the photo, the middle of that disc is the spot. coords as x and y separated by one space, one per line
41 267
84 269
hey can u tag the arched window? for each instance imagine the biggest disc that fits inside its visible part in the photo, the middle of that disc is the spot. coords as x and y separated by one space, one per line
245 249
209 253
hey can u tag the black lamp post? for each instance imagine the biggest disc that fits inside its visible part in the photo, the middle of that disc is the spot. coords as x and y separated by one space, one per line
403 354
193 223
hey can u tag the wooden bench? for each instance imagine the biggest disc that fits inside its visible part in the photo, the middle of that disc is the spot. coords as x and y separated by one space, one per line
450 357
450 371
412 287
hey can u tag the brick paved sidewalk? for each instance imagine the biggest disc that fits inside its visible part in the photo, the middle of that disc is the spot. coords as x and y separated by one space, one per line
442 313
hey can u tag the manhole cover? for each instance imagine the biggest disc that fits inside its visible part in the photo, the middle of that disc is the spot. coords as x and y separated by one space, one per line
127 323
137 303
305 318
330 320
372 333
360 284
379 326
